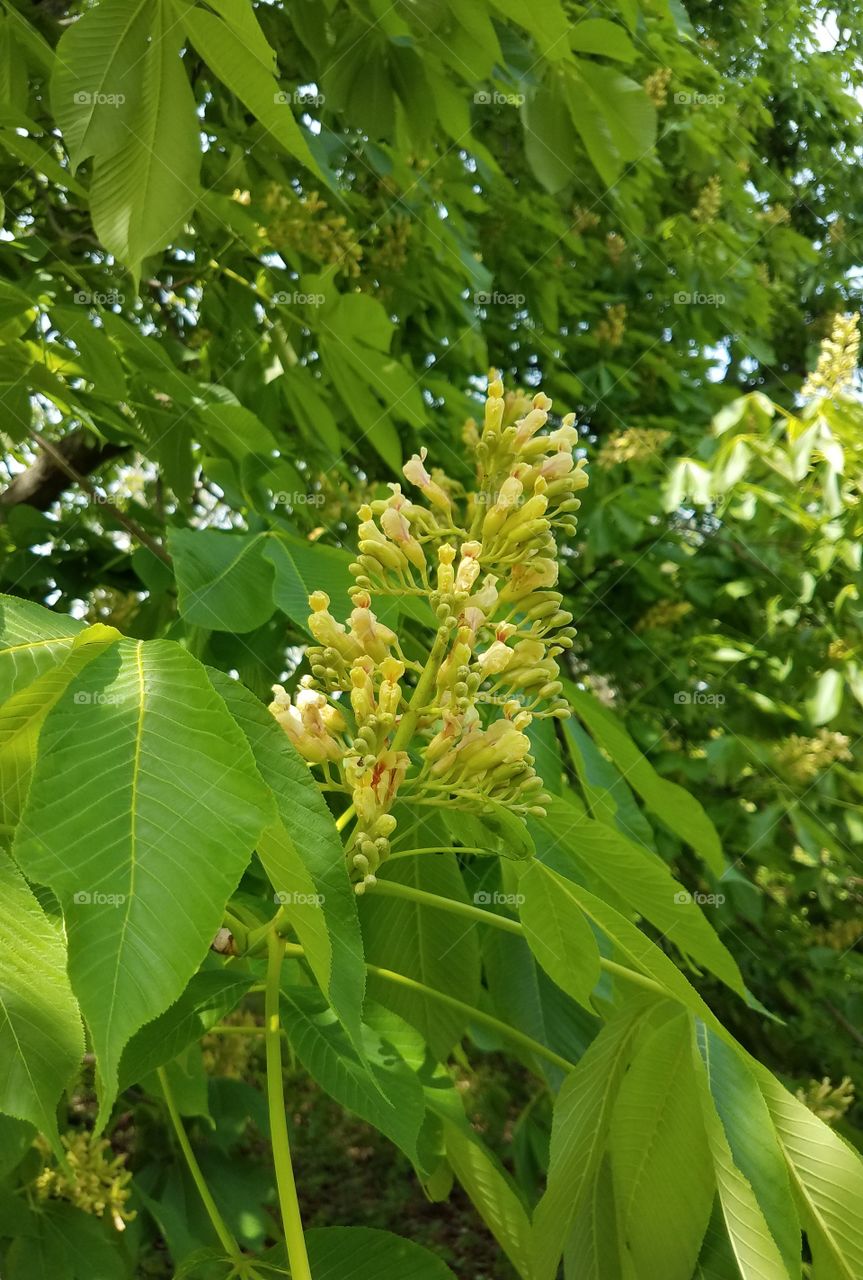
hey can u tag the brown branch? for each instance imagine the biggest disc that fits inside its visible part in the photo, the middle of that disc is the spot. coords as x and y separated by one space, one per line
58 467
45 481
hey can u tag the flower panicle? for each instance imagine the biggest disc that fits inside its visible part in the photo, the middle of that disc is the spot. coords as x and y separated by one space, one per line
447 727
837 359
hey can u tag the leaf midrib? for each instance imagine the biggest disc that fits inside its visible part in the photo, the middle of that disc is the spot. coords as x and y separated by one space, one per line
133 836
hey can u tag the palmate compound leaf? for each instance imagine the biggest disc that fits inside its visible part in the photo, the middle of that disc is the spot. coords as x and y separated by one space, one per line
41 1037
143 811
663 1176
754 1191
827 1179
303 857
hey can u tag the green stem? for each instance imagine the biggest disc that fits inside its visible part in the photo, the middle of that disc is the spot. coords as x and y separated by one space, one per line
291 1221
422 692
389 888
344 818
474 1015
226 1240
437 848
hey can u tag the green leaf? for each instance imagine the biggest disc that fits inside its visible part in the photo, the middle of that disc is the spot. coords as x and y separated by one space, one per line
616 865
143 192
753 1185
302 567
675 807
826 701
32 639
235 429
70 1245
663 1177
582 1114
41 1037
496 830
98 77
239 67
224 580
432 947
303 857
386 1093
558 934
548 135
143 811
593 1248
365 1253
598 35
629 114
492 1194
827 1179
209 996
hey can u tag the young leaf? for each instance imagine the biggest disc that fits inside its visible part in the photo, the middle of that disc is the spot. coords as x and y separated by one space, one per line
98 75
41 1037
593 1250
237 65
663 1178
558 934
143 810
22 715
210 995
